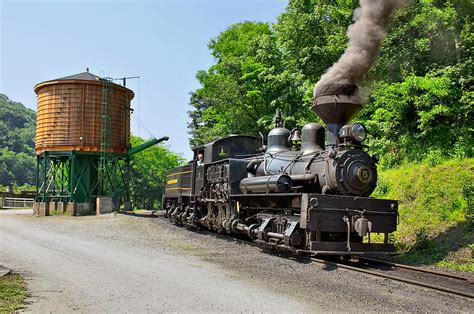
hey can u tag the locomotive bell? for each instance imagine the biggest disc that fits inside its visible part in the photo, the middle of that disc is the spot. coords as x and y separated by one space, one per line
295 136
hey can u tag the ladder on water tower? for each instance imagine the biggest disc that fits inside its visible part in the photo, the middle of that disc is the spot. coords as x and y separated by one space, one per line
105 135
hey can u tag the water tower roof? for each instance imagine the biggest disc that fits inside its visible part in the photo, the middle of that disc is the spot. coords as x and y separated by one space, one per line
81 78
86 76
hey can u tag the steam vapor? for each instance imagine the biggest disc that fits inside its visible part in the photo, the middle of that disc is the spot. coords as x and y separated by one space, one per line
365 35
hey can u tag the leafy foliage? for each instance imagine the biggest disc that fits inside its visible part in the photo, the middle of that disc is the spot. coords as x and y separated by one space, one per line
148 173
16 168
419 118
422 99
436 208
312 34
17 133
247 84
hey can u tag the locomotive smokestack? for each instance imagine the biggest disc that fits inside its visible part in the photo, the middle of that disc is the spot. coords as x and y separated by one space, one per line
336 104
365 35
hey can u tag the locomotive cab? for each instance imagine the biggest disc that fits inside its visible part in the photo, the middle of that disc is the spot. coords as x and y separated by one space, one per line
232 146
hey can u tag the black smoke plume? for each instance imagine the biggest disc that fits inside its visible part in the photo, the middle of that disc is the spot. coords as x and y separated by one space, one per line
365 36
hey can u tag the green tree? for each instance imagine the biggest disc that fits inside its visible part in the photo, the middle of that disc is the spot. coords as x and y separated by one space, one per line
148 173
17 133
419 118
312 34
424 37
421 85
422 106
241 92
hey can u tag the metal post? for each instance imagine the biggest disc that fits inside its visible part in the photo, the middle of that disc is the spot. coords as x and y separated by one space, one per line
37 177
71 177
45 175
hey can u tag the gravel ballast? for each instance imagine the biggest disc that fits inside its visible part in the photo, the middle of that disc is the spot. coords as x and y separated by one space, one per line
120 263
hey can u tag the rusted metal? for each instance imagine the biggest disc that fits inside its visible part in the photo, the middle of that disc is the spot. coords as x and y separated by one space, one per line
337 103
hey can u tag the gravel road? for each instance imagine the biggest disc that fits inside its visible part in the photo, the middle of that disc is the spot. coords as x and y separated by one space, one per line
119 263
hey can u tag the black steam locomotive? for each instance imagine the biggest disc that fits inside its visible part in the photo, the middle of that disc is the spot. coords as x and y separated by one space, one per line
297 193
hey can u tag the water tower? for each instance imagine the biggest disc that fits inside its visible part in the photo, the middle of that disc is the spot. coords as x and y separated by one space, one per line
83 145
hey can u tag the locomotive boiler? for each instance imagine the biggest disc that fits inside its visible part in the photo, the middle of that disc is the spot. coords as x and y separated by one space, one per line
305 191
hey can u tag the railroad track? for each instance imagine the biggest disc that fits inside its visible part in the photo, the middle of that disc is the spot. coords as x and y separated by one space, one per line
439 281
434 280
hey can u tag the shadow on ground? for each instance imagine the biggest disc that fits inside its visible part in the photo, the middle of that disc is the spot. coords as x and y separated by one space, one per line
455 245
142 214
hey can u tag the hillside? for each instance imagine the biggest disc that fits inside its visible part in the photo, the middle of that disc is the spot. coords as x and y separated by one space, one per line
17 134
436 212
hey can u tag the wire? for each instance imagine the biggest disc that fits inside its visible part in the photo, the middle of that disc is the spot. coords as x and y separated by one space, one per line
144 127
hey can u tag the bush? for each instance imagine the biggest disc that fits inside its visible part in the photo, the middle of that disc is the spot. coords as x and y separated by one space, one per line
436 208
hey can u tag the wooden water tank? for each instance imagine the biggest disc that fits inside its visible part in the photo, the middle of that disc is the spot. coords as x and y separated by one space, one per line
70 115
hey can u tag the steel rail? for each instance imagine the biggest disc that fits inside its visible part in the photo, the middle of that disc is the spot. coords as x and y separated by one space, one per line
387 276
397 278
422 270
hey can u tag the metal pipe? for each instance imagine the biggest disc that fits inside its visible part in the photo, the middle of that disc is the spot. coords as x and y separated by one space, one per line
266 184
251 165
303 177
135 150
275 235
242 227
333 134
348 223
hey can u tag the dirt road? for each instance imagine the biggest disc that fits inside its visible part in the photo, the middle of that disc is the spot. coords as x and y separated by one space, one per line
129 264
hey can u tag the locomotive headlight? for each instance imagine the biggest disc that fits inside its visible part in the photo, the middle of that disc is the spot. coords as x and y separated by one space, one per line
353 131
358 132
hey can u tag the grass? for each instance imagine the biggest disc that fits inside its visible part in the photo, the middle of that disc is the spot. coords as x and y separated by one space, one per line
436 212
13 293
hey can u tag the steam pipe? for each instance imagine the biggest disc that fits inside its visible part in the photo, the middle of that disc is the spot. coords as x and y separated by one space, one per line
333 134
135 150
305 177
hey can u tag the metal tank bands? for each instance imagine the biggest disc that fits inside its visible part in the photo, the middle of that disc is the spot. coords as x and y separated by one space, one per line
70 115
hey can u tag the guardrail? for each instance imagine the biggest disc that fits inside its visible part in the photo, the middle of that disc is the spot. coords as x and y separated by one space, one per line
16 202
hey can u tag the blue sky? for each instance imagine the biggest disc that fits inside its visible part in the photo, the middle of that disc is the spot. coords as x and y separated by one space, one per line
163 42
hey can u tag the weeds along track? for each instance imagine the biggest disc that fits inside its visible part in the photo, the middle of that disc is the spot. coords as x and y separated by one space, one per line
435 280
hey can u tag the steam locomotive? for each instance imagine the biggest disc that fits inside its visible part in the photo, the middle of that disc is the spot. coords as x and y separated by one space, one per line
298 193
